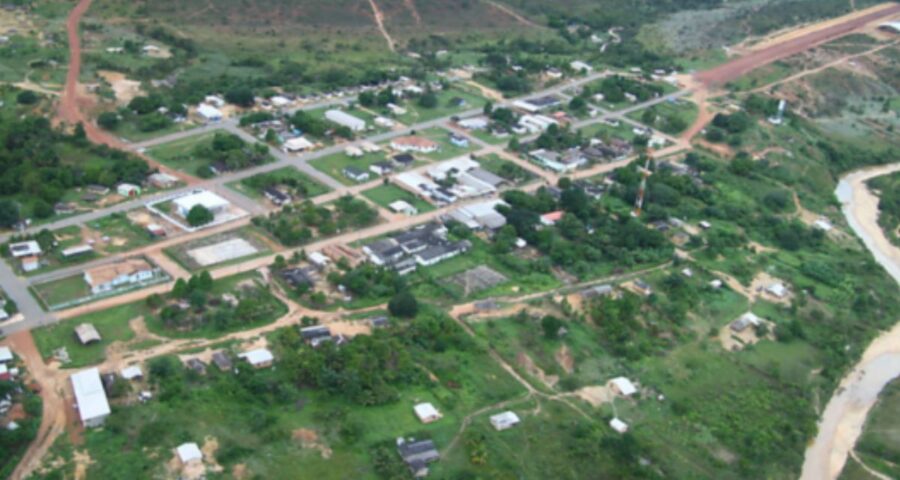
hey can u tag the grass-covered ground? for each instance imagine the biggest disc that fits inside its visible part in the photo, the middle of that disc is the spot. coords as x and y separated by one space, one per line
295 182
179 153
111 324
386 194
252 235
879 445
670 117
334 165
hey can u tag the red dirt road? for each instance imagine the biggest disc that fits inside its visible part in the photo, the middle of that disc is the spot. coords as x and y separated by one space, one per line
727 72
72 105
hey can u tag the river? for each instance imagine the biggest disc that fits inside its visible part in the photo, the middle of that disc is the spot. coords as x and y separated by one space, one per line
842 421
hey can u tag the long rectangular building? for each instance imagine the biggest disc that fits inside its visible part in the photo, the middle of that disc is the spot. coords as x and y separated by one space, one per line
93 407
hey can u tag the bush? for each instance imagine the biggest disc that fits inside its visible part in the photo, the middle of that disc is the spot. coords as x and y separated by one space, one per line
108 120
27 97
403 304
199 215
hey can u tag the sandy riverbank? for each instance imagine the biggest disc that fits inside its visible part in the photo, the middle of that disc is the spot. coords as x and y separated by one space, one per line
842 421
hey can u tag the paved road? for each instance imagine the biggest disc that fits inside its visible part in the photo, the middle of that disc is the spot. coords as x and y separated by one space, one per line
35 316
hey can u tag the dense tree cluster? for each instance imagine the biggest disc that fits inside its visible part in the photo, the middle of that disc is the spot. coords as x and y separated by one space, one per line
297 224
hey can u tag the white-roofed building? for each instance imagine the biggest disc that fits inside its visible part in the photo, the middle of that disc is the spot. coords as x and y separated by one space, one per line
77 250
25 249
580 66
618 425
427 413
777 289
259 358
93 407
209 113
402 206
474 123
507 419
189 452
623 386
5 355
207 199
297 144
344 119
133 372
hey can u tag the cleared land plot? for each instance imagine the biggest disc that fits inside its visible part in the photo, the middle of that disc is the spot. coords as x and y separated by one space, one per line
295 182
384 195
446 150
505 168
111 324
445 107
477 279
670 117
178 154
334 165
219 249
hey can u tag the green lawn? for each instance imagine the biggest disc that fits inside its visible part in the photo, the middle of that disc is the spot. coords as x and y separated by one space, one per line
334 164
179 154
385 194
446 150
129 130
505 168
670 117
64 290
417 114
111 323
123 233
299 184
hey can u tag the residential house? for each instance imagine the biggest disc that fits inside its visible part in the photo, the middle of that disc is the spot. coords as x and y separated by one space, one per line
414 143
618 425
402 206
277 196
459 140
209 113
550 219
297 144
77 251
353 151
427 413
604 290
381 168
417 455
505 420
6 355
258 358
196 365
355 173
566 162
30 248
132 372
299 276
107 277
222 360
207 199
581 67
162 180
474 123
745 321
404 159
623 386
189 453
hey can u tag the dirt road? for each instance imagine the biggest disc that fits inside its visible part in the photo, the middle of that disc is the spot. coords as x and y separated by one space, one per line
53 395
791 45
72 104
378 16
845 415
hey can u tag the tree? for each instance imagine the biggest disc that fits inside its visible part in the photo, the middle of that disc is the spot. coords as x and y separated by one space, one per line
199 215
428 99
108 120
403 304
241 96
9 213
551 326
27 97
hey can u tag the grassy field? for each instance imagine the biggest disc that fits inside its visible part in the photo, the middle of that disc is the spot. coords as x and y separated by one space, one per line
112 324
505 169
123 233
74 290
446 150
761 76
417 114
179 153
334 164
670 117
384 195
297 182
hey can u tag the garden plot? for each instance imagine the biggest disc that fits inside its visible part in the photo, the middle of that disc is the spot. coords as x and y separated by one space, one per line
222 252
477 279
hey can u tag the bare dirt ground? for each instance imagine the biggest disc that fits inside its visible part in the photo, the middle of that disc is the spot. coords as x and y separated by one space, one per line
792 43
124 88
733 341
595 395
378 17
309 439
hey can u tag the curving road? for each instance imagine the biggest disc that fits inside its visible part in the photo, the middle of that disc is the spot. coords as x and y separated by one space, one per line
845 415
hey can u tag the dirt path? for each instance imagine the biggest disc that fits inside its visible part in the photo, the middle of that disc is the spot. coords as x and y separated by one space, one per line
792 43
53 395
512 13
843 419
72 105
411 6
379 22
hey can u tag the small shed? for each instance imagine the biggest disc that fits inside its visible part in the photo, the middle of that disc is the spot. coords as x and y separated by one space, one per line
189 452
132 373
505 420
221 359
618 425
87 333
623 386
427 413
5 355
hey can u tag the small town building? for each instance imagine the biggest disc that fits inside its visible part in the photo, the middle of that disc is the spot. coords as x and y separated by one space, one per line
618 425
355 173
222 360
132 372
277 196
90 398
188 453
297 144
474 123
459 140
204 198
402 206
745 321
25 249
318 260
623 386
597 291
777 290
354 151
196 365
381 168
30 264
209 113
86 333
427 413
417 455
156 230
4 373
162 180
77 250
550 219
705 225
505 420
716 284
6 355
105 278
128 190
581 67
414 144
259 358
344 119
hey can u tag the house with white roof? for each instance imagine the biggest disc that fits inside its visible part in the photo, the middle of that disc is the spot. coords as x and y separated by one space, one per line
209 113
132 373
205 198
427 413
618 425
344 119
188 453
581 67
505 420
93 407
5 355
623 386
25 249
259 358
297 144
